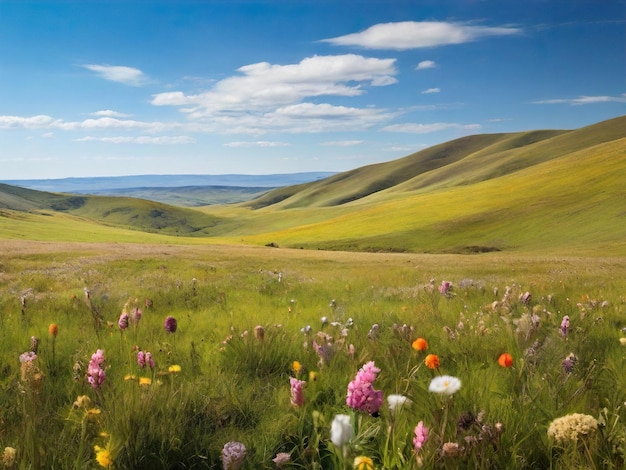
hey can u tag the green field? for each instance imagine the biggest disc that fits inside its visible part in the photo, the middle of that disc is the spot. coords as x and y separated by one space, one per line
528 229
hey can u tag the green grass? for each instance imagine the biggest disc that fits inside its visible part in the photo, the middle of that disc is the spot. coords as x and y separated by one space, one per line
234 386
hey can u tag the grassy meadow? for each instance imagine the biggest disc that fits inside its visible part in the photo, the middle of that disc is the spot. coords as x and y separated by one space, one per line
251 319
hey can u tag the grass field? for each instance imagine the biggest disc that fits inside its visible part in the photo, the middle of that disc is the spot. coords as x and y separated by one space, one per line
217 379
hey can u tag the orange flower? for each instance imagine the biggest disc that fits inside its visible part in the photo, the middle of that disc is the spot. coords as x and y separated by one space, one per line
432 361
420 344
297 367
53 329
505 360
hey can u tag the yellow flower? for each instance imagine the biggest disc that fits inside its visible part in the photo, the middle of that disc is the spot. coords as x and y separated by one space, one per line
297 367
145 380
129 377
312 376
103 456
622 341
363 463
174 369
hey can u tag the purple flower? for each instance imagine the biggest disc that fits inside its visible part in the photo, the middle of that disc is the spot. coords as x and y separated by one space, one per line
123 321
445 287
564 325
149 360
171 324
233 455
282 458
421 436
361 393
95 369
135 315
568 363
297 398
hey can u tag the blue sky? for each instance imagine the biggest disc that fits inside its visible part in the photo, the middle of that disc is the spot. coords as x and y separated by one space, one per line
94 88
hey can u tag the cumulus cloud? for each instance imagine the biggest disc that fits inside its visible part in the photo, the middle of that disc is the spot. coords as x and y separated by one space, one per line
585 100
34 122
118 73
414 34
414 128
158 140
264 86
431 90
109 113
426 64
258 143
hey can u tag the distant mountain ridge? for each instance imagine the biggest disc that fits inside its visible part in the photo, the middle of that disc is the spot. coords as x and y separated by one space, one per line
101 184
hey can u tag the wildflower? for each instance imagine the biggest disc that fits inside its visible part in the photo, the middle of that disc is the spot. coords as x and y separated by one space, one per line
525 298
171 324
141 359
449 449
53 329
421 436
505 360
432 361
8 456
363 463
34 344
341 430
297 398
444 385
622 341
82 401
233 455
259 332
564 325
569 362
361 394
312 376
145 381
297 367
373 332
351 350
572 427
445 287
420 344
174 369
149 360
123 321
135 315
103 456
95 370
324 320
282 458
28 356
396 402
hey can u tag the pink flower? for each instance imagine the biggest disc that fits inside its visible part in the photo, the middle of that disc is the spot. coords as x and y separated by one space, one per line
233 455
171 324
361 393
564 325
445 287
149 360
297 398
421 436
95 369
141 359
135 315
123 321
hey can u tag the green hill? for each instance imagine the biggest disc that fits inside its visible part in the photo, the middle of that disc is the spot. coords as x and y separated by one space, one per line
547 190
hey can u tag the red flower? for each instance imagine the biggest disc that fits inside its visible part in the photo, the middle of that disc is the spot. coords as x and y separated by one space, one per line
505 360
432 361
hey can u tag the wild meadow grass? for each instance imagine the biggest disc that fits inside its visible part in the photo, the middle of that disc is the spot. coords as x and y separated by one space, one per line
526 352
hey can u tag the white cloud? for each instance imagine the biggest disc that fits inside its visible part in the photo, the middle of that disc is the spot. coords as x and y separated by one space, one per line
159 140
585 100
110 113
118 73
413 34
426 64
342 143
34 122
431 90
262 87
414 128
258 143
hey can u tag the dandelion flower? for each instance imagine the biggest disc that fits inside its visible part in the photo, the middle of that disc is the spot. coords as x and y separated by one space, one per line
397 402
103 456
145 381
444 385
341 430
432 361
505 360
297 367
420 344
174 369
363 463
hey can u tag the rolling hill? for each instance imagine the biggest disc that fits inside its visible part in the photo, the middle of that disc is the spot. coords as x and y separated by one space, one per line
545 190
